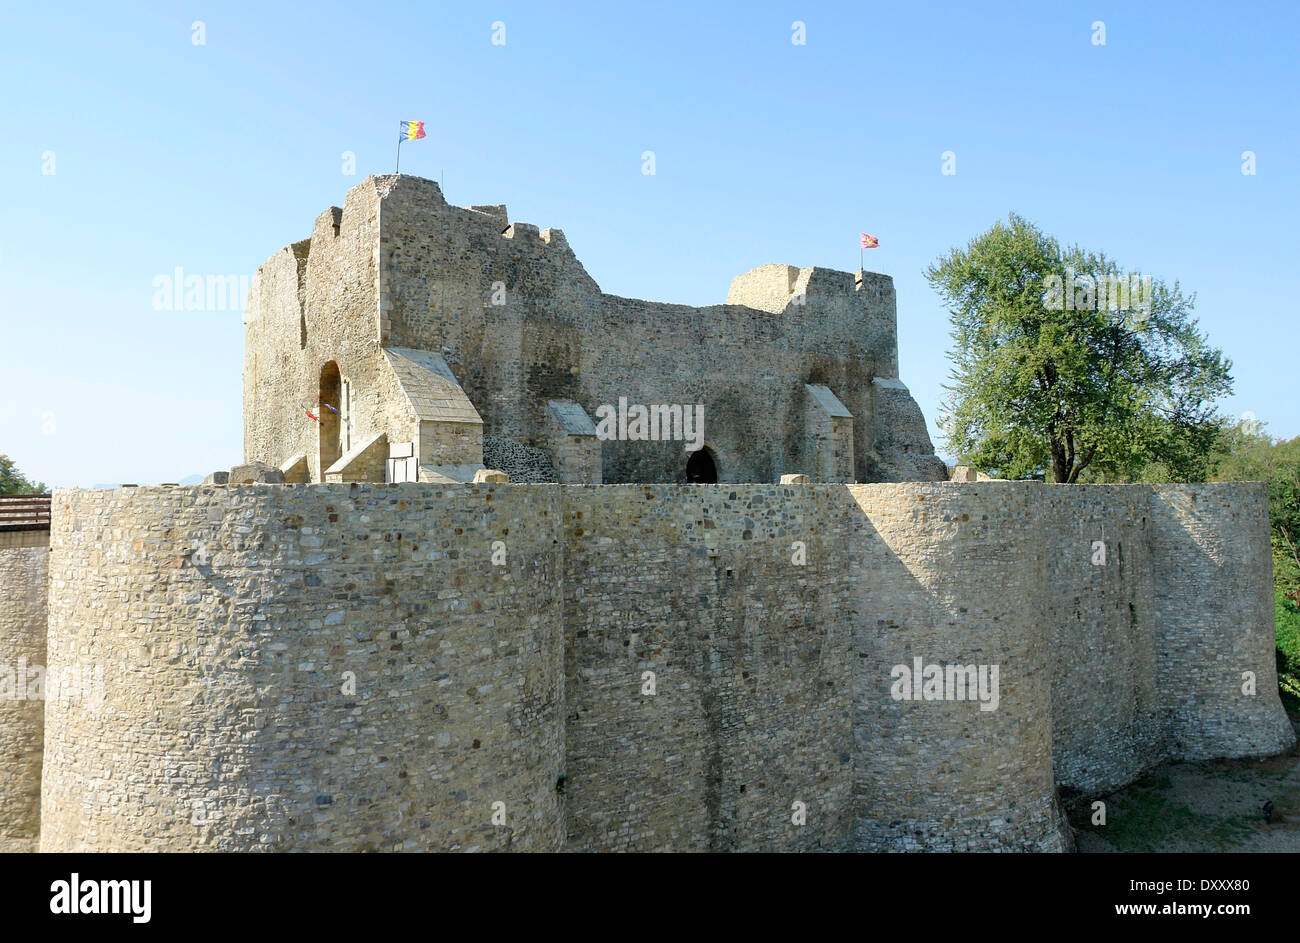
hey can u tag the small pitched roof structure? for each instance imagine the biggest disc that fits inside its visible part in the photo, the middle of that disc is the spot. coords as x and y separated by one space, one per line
828 401
573 419
430 386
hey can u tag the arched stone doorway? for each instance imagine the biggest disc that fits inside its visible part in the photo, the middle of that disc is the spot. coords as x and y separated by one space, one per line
329 431
701 469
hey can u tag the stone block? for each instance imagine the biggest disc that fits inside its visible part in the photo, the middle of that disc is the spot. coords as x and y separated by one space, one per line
296 471
255 473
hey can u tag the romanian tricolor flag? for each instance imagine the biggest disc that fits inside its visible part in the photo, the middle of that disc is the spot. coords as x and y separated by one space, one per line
869 242
412 130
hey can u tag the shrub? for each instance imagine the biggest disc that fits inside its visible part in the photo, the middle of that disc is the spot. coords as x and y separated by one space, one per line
1287 620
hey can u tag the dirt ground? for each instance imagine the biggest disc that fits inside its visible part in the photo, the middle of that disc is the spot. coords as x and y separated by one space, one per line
1210 806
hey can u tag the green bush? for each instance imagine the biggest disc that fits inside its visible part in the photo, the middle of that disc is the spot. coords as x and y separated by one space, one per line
1287 621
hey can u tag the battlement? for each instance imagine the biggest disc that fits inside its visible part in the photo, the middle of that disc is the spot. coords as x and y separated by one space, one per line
765 288
520 323
778 288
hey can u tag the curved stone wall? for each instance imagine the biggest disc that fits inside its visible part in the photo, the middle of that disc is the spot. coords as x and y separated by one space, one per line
306 668
1106 719
459 667
1214 614
953 576
1152 641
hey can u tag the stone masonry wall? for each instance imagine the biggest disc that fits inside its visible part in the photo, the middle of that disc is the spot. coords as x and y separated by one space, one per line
310 304
750 652
557 336
339 668
499 636
1107 726
1214 619
953 575
520 322
1152 639
24 559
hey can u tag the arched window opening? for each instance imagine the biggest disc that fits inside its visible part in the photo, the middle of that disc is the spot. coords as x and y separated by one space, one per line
701 468
329 428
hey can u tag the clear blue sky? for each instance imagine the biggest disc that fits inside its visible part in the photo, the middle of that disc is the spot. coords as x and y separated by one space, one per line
211 157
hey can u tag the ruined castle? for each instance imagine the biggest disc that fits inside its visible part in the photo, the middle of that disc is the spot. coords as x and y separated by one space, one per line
439 339
487 590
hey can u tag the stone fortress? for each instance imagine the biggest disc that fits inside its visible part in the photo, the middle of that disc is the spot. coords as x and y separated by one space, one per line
445 338
440 610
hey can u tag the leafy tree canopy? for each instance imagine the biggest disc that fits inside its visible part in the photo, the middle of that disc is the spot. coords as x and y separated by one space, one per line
13 482
1248 454
1066 366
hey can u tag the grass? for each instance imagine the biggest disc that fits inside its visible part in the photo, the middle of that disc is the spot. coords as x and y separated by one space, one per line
1238 772
1146 819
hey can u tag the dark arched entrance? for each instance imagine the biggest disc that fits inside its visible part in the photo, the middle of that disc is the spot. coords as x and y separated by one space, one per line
328 430
700 468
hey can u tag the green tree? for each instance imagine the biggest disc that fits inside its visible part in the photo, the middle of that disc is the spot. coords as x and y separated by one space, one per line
1251 455
12 480
1048 380
1246 453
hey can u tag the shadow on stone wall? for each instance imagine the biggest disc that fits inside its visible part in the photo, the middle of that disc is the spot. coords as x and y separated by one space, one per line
460 667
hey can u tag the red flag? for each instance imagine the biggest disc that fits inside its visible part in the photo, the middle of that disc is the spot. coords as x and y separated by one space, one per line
870 242
310 416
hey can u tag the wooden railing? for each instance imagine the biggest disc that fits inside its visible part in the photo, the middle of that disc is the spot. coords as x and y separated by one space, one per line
25 512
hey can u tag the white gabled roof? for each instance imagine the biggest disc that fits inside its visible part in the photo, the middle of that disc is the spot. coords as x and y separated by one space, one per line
828 401
430 386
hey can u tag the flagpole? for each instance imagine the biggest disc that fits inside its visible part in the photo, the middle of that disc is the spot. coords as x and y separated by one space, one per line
398 169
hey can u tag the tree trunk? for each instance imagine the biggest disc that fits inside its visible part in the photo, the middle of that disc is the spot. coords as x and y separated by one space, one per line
1060 464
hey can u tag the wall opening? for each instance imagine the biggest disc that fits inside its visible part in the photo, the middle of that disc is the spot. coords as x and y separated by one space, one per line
701 469
329 428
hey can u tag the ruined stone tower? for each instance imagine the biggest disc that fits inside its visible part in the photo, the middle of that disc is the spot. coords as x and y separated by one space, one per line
432 339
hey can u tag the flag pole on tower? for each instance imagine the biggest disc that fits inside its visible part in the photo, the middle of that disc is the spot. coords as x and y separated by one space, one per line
866 242
407 131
